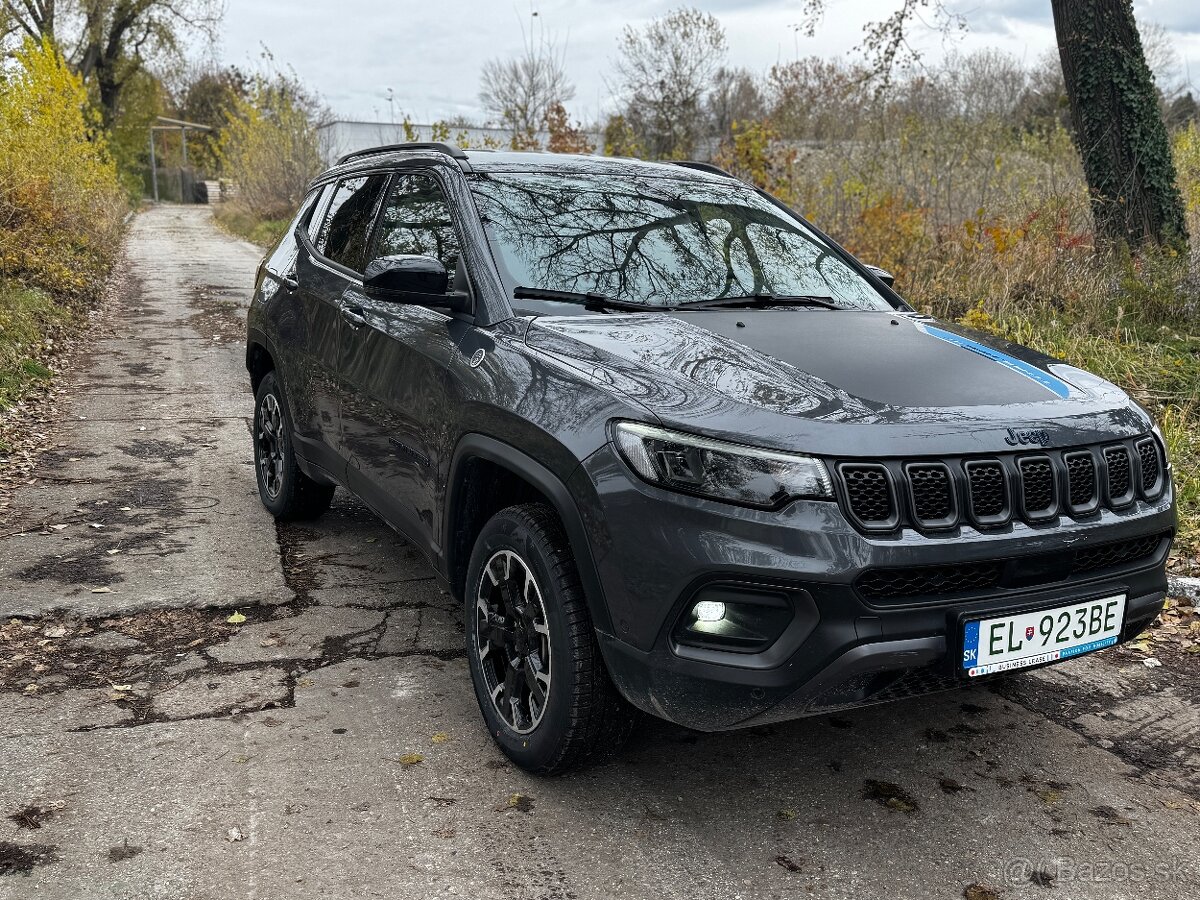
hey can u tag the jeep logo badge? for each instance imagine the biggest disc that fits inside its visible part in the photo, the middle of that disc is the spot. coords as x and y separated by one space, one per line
1024 436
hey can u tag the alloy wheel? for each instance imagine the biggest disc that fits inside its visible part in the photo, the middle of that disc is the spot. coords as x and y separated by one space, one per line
269 439
513 640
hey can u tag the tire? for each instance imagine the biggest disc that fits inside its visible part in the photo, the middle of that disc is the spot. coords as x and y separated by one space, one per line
286 492
582 718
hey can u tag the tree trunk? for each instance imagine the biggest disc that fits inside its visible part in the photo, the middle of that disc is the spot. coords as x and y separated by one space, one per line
1118 125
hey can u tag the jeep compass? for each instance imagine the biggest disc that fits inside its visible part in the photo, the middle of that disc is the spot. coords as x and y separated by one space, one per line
672 449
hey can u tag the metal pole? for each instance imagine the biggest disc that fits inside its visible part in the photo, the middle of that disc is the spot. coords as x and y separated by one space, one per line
153 165
183 138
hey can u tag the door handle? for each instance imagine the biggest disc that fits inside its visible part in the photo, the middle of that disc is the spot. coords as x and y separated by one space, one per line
287 281
353 316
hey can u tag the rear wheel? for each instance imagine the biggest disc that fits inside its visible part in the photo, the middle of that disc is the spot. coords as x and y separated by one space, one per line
535 663
285 491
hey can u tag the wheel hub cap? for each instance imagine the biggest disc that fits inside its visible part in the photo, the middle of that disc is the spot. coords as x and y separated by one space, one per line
513 640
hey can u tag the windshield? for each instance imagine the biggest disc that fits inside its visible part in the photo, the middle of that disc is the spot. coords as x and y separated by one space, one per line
659 241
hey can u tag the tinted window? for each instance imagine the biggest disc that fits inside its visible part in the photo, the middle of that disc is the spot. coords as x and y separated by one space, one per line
346 231
659 241
416 220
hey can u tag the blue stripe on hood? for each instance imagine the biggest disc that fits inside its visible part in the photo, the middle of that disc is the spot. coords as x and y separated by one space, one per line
1045 379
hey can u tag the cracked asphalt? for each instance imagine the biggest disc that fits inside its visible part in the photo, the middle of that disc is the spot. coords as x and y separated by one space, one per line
330 745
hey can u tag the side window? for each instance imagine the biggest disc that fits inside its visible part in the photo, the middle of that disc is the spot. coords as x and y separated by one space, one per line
416 220
283 257
346 229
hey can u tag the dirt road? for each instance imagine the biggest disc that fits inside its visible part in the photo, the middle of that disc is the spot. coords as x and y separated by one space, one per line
330 746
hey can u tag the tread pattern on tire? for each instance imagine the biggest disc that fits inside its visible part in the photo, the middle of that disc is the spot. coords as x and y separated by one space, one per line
600 719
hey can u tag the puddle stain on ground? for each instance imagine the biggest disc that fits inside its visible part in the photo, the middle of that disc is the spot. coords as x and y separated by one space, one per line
17 859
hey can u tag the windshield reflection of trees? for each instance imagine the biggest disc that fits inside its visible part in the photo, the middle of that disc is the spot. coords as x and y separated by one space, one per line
659 241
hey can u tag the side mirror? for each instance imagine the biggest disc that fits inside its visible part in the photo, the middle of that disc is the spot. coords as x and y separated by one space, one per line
420 280
882 274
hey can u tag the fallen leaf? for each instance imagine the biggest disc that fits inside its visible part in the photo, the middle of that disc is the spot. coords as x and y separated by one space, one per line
519 802
234 835
785 815
787 863
440 737
58 527
112 552
979 891
101 590
410 759
55 631
236 619
1151 662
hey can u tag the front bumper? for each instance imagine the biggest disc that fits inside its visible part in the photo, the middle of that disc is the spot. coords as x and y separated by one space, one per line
654 549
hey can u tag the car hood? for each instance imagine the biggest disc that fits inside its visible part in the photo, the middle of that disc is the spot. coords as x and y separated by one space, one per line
795 377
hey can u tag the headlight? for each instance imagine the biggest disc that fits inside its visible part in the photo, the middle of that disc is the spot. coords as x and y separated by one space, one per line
732 472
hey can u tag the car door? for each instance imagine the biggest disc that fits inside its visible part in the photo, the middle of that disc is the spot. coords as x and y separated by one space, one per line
396 366
326 269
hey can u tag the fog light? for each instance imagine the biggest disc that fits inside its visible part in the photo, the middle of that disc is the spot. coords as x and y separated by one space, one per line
709 611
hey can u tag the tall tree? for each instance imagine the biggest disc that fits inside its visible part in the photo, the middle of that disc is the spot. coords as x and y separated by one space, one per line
1118 123
1114 108
519 92
666 69
108 42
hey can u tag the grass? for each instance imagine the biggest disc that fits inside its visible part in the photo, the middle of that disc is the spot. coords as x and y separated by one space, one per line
29 320
1160 368
240 222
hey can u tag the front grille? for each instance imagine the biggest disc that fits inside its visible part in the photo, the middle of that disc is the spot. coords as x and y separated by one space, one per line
939 494
1148 456
1110 555
1081 480
932 493
921 581
1120 479
1038 496
931 583
986 486
869 493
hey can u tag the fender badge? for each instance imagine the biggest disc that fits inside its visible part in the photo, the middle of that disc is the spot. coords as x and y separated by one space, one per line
476 358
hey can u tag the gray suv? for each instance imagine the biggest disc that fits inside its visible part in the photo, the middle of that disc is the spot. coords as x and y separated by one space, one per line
673 449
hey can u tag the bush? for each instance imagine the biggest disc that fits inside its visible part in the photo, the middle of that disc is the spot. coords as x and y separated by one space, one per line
60 202
270 148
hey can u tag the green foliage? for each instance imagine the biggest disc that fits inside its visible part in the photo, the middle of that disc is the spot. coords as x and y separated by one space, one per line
28 321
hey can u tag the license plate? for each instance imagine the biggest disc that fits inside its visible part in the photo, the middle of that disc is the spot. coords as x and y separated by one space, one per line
1032 638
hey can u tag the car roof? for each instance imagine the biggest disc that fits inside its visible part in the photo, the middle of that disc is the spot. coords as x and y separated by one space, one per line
511 161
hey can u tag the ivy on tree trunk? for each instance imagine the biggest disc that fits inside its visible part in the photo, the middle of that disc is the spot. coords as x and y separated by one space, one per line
1118 125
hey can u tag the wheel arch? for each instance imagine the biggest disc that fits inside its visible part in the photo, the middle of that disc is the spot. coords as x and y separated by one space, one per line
471 500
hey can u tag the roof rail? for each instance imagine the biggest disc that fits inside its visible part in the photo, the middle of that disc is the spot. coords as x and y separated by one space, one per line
449 149
703 167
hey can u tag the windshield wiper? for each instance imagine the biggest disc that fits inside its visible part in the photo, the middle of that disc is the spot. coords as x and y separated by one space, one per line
589 299
765 299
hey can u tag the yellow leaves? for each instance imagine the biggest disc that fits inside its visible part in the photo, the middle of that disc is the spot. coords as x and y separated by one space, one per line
440 737
980 319
236 618
59 193
410 759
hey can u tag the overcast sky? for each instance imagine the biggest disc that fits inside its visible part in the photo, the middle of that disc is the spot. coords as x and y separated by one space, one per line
429 52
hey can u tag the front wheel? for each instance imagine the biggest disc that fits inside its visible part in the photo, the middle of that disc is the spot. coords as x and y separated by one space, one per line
284 489
535 663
